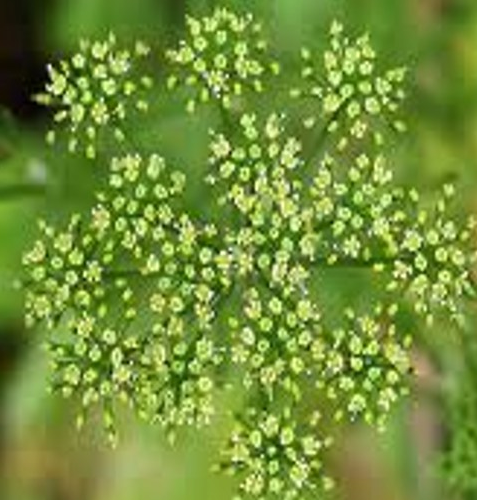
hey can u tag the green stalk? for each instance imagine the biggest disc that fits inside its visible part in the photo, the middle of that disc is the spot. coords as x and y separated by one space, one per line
13 192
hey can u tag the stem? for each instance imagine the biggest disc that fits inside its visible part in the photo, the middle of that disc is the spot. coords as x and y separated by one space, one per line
225 116
357 263
322 262
16 191
128 273
323 134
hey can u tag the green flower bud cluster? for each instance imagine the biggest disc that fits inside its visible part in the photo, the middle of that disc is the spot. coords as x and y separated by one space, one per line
148 305
364 366
433 264
350 214
95 92
94 282
365 218
223 56
257 174
256 169
351 92
359 210
278 459
361 368
275 341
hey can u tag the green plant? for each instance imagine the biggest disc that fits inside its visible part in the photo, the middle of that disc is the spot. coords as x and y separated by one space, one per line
151 305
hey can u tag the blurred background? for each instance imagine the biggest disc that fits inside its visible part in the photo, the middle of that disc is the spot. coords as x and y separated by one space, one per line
41 455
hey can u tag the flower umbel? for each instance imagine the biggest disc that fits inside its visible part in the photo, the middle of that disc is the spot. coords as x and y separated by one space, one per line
95 92
148 304
223 57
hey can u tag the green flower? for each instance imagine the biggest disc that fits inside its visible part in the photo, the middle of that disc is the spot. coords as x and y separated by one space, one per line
364 366
354 97
273 457
94 94
223 57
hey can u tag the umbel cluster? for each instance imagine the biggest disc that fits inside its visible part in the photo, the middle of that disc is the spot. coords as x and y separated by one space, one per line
152 307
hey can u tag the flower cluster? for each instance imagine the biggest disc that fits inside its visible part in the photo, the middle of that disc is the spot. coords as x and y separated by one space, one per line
223 57
277 458
92 282
352 95
150 305
254 170
365 218
95 92
364 366
358 209
350 214
257 174
433 265
274 341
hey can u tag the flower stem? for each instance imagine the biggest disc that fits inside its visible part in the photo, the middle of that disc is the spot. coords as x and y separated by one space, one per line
16 191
